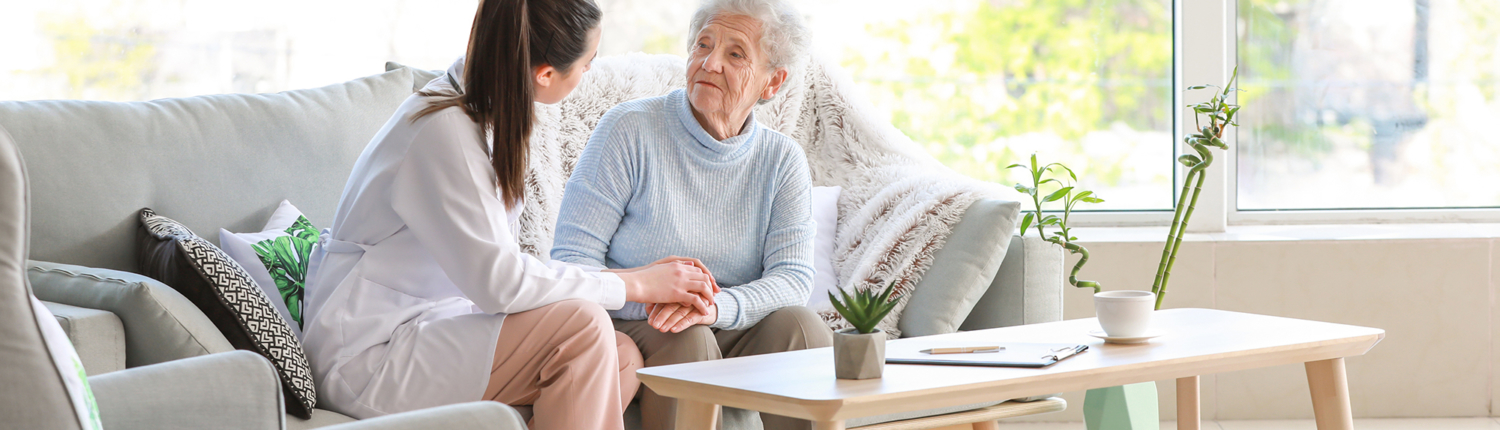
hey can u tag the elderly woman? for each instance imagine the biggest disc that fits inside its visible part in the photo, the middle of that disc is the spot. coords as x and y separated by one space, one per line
692 173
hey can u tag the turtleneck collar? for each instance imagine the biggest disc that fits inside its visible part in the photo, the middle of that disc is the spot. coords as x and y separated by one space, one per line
708 147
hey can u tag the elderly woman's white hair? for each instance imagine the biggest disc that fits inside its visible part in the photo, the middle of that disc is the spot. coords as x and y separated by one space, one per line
782 35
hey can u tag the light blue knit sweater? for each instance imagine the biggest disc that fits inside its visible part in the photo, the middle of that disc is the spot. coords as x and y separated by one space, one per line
652 183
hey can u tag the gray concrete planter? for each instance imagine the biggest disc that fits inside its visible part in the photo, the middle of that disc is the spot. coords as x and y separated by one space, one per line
858 356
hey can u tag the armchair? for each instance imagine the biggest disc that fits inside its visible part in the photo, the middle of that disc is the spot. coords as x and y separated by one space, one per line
229 390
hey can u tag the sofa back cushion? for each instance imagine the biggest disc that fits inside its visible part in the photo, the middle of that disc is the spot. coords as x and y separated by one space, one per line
962 270
219 161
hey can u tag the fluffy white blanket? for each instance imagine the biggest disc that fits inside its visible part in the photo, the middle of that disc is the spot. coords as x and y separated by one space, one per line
898 205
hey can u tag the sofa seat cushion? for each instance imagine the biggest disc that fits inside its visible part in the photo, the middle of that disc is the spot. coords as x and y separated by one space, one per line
160 324
97 335
320 418
225 292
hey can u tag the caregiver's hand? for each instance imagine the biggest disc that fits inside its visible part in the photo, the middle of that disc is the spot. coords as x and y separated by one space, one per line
677 259
679 282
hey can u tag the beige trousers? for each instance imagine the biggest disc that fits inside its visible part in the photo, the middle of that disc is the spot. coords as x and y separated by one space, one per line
565 361
789 329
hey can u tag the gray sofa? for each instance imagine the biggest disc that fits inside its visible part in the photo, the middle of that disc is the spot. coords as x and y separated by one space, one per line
225 161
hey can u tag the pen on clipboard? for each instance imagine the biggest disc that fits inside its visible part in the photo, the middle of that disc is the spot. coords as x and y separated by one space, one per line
1058 354
963 350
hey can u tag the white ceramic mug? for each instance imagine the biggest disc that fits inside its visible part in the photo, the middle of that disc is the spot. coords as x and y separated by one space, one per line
1124 313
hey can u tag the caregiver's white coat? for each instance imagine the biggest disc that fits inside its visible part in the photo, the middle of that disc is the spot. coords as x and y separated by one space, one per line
410 286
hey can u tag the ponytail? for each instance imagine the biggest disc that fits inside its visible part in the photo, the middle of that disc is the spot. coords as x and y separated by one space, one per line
509 39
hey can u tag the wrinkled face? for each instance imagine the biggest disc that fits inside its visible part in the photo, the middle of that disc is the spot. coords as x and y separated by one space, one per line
727 70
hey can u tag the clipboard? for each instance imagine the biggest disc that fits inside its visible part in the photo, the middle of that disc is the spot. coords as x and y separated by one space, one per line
1014 354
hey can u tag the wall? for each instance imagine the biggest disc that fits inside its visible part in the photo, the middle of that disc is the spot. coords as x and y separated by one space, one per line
1433 296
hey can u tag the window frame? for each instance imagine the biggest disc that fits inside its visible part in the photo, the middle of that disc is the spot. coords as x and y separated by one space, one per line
1205 50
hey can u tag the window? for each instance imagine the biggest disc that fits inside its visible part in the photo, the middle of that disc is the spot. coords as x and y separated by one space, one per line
147 49
983 84
1368 104
980 84
1372 105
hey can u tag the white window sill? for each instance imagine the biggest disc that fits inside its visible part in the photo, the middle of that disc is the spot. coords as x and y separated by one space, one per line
1270 233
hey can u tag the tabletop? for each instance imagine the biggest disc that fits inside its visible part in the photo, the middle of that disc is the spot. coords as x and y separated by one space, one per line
1192 342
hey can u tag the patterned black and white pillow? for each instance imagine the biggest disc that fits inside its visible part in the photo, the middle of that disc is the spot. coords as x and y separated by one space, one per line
224 291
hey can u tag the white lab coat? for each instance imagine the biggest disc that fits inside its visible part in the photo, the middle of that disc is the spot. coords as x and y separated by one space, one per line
409 288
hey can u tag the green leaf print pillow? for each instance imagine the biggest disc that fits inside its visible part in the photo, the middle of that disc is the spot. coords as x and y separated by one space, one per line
277 258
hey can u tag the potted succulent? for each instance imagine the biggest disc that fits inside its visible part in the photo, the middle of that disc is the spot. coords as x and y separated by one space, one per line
859 352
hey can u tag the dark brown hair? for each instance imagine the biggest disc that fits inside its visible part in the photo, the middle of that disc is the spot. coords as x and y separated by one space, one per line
509 39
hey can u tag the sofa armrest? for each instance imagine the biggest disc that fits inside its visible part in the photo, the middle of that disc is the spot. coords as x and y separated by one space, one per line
97 335
160 324
463 416
232 390
1028 289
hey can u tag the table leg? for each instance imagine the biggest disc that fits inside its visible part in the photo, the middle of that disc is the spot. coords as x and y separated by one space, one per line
1189 416
828 425
695 415
1330 394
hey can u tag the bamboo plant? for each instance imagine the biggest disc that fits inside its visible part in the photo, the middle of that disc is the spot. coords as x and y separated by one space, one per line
1070 196
865 308
1220 115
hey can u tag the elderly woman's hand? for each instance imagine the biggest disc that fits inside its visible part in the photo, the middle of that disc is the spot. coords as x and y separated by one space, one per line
674 318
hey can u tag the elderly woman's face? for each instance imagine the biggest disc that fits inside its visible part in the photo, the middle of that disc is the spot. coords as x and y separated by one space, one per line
727 71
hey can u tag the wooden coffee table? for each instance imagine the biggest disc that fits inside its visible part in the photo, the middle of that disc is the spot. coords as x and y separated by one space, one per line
1194 342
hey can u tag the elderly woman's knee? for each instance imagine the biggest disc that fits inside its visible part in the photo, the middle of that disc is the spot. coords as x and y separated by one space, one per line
802 326
630 355
696 343
796 316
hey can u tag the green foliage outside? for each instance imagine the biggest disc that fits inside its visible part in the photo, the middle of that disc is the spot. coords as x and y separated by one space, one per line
109 64
1480 18
1065 67
286 257
1266 61
1300 67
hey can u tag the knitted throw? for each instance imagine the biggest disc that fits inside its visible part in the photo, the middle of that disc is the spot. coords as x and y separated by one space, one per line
898 205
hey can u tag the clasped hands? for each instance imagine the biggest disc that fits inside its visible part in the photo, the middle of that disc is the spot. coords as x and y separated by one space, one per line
678 293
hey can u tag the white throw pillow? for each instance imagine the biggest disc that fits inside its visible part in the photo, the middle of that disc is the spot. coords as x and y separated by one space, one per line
825 212
75 380
277 258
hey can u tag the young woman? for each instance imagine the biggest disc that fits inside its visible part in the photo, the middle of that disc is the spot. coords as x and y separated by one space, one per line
420 295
